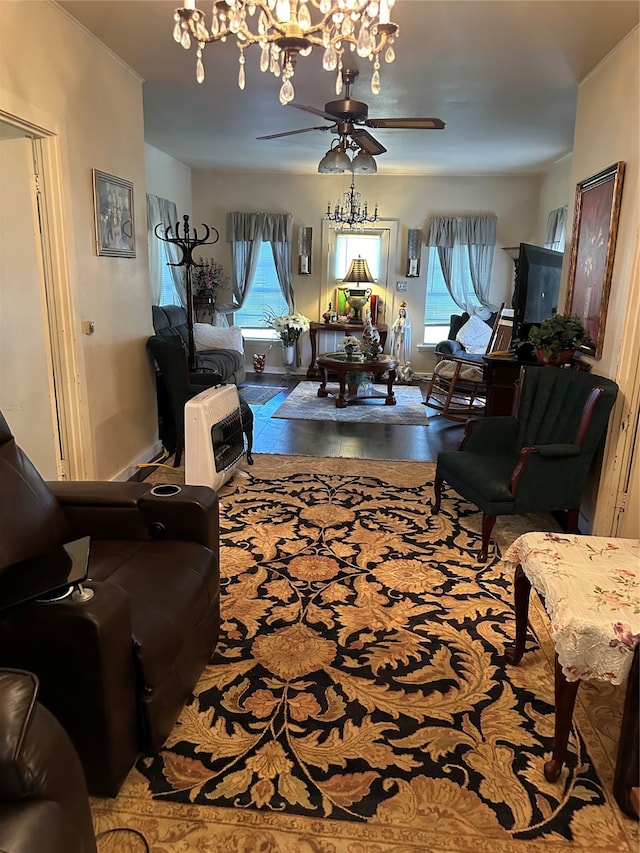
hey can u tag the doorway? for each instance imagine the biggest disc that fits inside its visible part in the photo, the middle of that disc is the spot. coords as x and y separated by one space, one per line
31 349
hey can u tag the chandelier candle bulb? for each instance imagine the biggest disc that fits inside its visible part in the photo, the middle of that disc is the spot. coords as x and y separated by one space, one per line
288 27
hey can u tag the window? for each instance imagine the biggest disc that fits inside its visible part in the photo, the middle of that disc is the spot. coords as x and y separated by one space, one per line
350 245
264 292
439 306
168 295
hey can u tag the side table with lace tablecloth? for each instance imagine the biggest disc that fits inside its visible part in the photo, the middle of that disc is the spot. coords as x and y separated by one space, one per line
590 587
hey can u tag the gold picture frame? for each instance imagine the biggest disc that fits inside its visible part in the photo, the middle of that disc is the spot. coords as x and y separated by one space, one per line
114 216
593 245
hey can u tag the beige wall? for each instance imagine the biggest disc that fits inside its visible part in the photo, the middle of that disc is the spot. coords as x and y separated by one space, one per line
555 192
168 178
409 200
56 76
607 130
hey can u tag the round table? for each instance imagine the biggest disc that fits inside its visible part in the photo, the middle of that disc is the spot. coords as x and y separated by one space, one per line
341 364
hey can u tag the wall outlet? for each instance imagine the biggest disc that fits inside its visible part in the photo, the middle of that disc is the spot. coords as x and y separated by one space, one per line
401 285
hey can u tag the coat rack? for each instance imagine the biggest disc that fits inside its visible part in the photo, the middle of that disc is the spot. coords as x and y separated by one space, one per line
187 244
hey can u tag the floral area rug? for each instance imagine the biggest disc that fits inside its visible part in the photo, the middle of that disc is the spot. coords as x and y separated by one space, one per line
358 701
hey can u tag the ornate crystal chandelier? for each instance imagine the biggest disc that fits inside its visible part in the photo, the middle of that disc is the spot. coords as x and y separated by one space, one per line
351 212
284 29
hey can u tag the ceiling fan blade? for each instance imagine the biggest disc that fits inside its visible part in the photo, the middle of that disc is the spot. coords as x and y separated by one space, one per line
367 142
291 132
407 123
313 110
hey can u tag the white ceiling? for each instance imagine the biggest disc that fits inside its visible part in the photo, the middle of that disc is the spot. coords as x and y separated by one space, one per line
502 74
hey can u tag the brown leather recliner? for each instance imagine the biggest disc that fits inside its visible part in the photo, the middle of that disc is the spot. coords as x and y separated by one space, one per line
114 670
44 804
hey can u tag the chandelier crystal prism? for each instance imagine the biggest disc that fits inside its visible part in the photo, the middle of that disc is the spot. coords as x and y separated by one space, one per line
351 212
285 29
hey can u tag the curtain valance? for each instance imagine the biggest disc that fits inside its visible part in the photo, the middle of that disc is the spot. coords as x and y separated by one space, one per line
265 227
446 231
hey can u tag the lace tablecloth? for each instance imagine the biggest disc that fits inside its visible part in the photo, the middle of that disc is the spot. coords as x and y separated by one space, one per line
591 591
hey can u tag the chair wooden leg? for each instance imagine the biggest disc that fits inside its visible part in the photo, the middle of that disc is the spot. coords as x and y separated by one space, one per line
437 492
521 590
573 516
627 776
565 697
487 526
249 436
179 448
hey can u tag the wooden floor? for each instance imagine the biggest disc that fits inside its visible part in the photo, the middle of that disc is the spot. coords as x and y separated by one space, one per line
348 440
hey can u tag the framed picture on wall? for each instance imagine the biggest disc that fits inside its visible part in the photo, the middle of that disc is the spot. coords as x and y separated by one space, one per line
113 212
593 245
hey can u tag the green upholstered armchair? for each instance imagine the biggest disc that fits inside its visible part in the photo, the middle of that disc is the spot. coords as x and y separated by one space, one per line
537 461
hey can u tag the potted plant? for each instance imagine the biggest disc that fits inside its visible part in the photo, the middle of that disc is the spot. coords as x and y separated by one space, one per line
557 338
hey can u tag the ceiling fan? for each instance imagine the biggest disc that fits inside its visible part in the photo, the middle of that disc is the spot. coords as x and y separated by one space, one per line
350 118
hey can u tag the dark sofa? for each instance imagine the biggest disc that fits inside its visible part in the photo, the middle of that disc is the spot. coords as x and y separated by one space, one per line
171 320
115 669
44 804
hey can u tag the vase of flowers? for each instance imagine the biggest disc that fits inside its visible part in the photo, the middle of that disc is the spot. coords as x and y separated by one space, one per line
288 327
208 275
350 344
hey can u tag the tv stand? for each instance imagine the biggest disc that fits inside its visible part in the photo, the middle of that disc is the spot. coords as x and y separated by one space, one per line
501 374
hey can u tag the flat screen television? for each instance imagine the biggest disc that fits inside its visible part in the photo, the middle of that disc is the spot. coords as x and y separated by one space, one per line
537 286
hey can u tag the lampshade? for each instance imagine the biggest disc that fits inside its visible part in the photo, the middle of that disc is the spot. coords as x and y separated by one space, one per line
334 162
359 271
364 164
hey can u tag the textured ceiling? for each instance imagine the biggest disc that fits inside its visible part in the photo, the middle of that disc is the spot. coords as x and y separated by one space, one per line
503 75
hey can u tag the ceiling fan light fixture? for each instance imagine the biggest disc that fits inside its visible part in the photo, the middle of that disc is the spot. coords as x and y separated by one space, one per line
335 162
364 164
291 31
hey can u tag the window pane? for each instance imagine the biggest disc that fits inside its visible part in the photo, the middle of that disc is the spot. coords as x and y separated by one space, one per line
354 245
168 295
439 306
264 292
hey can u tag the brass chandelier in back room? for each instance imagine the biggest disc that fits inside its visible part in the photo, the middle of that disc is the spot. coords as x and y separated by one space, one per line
286 29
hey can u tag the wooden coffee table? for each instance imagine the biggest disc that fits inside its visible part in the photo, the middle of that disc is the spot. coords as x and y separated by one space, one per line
340 364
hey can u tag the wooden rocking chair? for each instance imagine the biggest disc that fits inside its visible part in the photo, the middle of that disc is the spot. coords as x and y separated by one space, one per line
457 387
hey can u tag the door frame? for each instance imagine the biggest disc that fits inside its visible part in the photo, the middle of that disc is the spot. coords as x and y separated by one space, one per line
622 441
65 357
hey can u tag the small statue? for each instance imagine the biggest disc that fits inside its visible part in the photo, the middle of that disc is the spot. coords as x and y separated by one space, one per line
401 336
370 345
328 314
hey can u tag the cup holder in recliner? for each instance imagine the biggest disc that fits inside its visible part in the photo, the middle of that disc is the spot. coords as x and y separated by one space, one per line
165 490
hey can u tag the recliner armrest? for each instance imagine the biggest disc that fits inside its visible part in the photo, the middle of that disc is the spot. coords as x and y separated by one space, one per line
82 654
207 379
44 803
108 510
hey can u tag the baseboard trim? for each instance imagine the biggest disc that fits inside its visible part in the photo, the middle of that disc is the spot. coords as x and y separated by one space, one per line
144 458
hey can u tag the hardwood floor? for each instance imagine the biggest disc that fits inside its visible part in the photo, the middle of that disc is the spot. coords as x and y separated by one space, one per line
348 440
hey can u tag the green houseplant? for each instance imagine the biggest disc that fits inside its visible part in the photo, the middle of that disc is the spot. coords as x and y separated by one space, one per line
557 338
